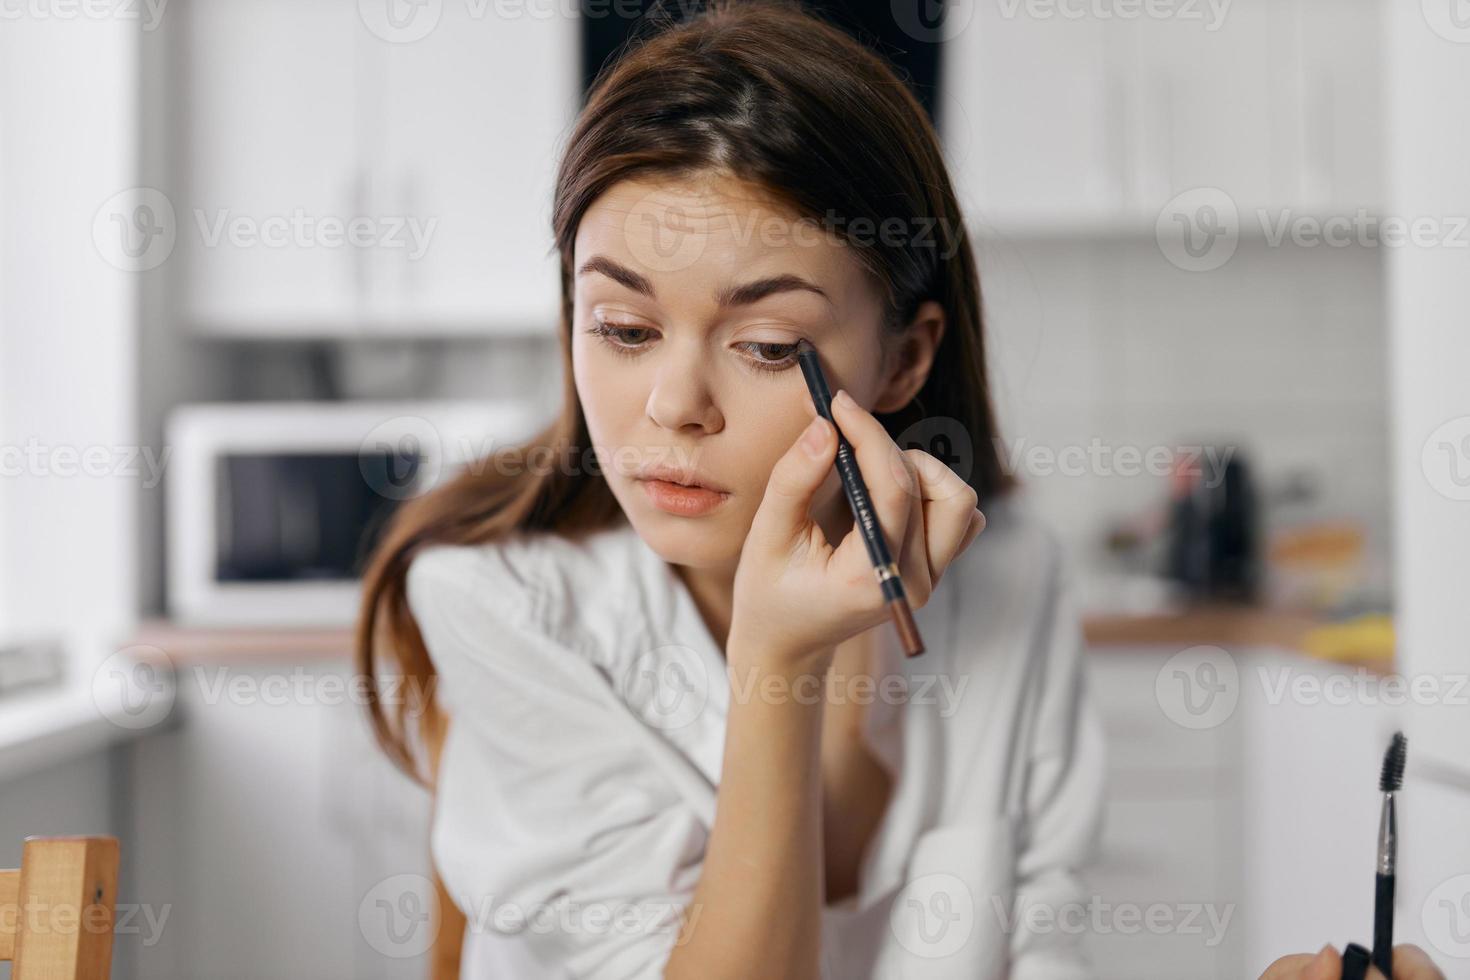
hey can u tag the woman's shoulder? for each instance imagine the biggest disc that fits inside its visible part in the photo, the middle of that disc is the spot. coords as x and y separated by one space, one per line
529 578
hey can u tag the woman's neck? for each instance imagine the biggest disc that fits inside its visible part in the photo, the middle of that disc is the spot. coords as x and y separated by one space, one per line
713 587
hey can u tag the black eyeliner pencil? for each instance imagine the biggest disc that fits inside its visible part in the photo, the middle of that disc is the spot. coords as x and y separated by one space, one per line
862 507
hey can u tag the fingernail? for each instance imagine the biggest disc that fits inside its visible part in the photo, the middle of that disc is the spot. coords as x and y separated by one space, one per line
814 439
845 399
1319 967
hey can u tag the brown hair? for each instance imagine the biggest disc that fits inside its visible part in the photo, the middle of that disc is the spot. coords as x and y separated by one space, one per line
766 92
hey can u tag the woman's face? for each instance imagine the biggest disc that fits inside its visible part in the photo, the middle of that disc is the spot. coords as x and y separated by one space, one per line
689 300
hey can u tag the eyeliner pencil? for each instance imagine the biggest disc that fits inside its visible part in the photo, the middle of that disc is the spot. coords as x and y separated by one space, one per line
862 507
1389 781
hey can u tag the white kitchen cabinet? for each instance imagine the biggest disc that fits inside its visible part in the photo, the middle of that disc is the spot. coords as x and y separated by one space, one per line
268 131
1338 146
1078 119
472 118
273 833
1200 100
1028 119
442 147
1171 840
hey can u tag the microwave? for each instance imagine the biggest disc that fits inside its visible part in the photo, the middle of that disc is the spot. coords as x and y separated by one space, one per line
273 507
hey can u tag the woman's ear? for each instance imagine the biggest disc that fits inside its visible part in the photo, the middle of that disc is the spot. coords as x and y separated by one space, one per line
912 358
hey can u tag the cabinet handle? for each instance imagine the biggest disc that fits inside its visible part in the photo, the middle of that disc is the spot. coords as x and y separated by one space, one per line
360 283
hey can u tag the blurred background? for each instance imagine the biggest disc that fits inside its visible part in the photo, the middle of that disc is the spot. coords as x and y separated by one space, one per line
268 268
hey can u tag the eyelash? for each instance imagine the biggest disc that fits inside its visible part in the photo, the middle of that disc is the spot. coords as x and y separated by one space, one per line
607 331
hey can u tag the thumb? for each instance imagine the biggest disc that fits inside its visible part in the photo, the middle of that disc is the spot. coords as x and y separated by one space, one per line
785 509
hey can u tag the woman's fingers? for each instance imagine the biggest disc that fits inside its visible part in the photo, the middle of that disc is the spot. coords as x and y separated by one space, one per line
784 509
1412 963
915 564
1324 965
949 515
1409 963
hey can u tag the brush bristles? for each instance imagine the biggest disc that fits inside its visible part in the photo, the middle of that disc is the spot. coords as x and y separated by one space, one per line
1393 764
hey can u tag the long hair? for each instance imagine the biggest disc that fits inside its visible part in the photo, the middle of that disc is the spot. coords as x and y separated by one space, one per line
760 90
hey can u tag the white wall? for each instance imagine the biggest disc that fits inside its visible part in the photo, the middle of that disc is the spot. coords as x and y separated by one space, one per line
68 122
1281 350
1429 310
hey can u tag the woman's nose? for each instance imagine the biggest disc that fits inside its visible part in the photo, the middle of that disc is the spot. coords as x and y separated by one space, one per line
682 394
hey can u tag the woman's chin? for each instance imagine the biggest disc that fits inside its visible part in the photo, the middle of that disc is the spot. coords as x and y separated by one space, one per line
698 543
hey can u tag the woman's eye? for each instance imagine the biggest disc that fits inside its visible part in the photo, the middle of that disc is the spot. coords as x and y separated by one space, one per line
770 356
618 336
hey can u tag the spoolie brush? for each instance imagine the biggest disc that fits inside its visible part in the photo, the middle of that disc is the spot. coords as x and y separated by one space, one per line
1389 781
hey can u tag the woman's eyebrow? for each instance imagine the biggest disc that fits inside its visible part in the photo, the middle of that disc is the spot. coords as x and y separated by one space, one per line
741 295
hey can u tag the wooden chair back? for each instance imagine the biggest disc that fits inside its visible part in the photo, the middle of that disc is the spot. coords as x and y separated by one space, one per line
57 908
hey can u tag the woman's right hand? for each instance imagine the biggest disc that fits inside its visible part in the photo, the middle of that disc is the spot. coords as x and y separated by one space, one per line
1409 963
796 596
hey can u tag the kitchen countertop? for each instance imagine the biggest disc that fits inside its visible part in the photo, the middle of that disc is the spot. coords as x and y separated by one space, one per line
1219 625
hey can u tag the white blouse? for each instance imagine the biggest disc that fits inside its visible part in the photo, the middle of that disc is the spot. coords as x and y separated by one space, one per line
578 779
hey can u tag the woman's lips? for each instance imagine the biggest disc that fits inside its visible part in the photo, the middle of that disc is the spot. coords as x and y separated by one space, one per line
675 498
